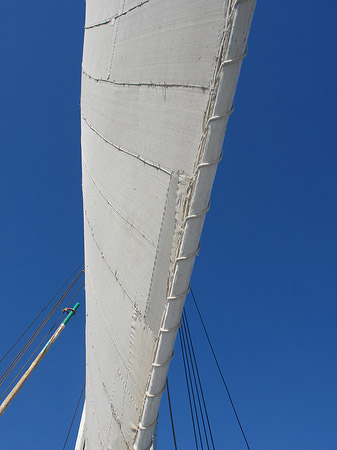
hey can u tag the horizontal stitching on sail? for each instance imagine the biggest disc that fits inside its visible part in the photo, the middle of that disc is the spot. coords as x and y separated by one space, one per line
98 24
123 13
108 202
110 19
149 163
147 84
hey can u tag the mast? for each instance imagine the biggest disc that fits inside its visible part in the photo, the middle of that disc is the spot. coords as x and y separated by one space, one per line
71 312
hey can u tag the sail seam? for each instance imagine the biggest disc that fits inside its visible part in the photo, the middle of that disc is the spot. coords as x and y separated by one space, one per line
126 365
113 413
157 251
104 322
128 372
118 370
134 304
112 207
146 84
128 391
93 408
103 257
115 17
115 30
98 24
127 152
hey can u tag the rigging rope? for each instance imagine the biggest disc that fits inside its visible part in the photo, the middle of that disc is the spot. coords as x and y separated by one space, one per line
220 371
171 414
28 344
188 389
198 376
42 310
194 386
38 347
72 420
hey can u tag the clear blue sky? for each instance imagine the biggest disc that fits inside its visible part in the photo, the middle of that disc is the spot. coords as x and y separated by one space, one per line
266 275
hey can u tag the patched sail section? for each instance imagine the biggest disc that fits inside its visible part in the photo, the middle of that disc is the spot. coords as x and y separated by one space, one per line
158 82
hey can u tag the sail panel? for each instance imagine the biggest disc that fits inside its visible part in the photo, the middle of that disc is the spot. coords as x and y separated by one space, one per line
152 123
157 89
124 197
161 42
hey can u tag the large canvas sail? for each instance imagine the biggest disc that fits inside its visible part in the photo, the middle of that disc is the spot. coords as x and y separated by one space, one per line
158 82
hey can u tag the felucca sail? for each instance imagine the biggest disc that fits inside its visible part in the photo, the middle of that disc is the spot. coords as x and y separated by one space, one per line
158 83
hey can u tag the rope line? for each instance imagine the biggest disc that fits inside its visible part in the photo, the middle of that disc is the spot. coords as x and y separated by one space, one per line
199 380
171 414
195 382
220 371
192 389
42 310
72 420
188 389
28 344
38 347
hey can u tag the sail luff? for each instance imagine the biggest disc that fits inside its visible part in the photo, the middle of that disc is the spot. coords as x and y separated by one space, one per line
230 57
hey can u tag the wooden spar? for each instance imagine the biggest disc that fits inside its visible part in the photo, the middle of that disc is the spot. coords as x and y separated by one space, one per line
36 361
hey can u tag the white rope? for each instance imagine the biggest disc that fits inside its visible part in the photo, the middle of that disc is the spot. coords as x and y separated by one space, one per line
238 58
177 297
169 330
147 393
146 427
191 255
163 363
206 164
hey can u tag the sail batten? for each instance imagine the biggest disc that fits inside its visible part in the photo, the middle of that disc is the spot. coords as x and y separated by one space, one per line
158 83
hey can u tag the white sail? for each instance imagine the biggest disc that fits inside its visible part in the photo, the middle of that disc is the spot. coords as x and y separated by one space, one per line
159 77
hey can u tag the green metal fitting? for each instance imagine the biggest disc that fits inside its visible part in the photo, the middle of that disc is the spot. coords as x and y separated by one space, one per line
70 314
